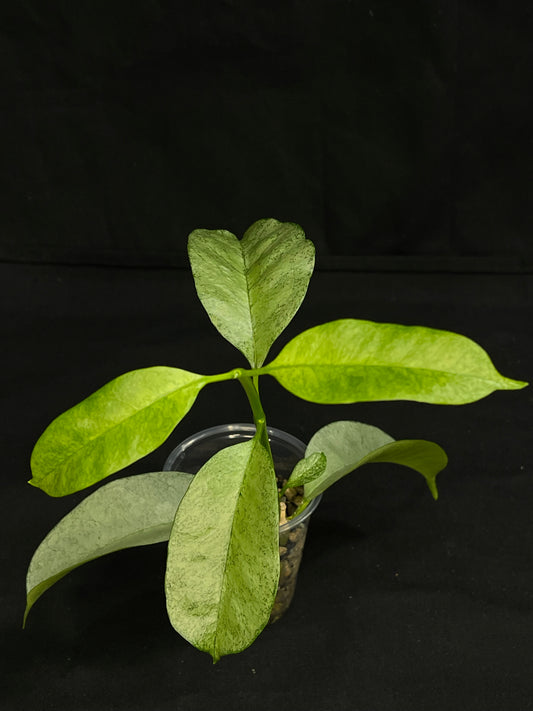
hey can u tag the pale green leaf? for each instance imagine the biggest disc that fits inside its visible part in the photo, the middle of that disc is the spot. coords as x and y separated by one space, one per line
354 361
223 556
307 470
252 288
132 511
115 426
348 445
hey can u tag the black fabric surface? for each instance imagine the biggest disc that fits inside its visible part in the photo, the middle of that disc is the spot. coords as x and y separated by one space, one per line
399 136
402 604
384 128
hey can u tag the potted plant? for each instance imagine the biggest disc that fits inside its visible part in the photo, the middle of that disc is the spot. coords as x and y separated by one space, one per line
222 522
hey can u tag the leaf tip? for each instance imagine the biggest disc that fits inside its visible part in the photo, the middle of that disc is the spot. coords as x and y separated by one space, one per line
516 384
26 613
432 484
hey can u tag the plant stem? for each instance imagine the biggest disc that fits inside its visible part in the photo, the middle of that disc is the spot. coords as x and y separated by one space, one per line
257 410
305 503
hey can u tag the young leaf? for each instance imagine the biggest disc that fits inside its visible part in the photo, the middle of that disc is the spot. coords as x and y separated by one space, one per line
349 445
307 470
118 424
223 556
252 288
133 511
355 361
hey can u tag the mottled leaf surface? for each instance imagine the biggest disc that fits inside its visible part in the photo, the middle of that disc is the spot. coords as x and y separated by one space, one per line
308 469
252 288
223 556
115 426
355 361
348 445
133 511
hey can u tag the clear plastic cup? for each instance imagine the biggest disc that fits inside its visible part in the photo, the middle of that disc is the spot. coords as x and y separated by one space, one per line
193 453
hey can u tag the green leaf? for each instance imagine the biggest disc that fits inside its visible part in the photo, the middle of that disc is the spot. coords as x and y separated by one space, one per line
223 556
115 426
307 470
252 288
355 361
132 511
348 445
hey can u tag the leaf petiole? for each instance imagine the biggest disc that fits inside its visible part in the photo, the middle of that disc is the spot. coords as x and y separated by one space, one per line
305 503
257 410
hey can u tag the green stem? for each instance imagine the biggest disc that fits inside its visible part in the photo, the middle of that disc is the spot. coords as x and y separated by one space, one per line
257 410
305 503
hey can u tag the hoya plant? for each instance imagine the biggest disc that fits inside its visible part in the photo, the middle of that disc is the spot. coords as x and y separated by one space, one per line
222 524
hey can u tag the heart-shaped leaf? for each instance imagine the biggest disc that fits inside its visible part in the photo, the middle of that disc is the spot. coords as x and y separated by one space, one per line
252 288
348 445
355 361
115 426
223 555
132 511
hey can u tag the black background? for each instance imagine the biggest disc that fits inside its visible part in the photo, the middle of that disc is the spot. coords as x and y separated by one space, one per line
385 128
398 135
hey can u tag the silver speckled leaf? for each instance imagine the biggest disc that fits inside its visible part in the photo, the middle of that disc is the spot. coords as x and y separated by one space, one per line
223 553
252 288
348 445
357 361
132 511
115 426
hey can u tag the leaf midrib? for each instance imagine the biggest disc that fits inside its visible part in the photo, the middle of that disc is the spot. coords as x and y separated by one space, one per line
226 557
247 269
248 265
268 369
